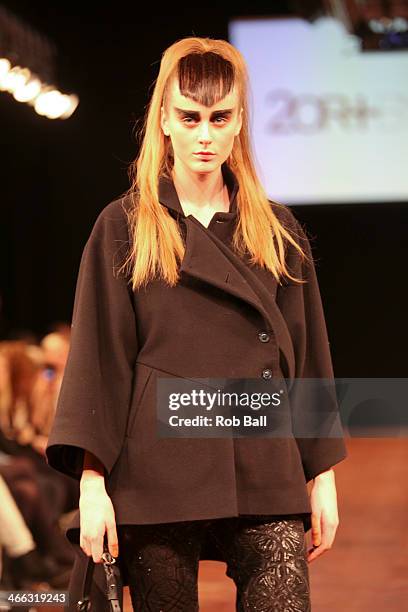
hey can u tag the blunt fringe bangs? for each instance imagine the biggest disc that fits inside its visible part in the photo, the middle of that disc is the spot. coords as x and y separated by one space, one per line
206 77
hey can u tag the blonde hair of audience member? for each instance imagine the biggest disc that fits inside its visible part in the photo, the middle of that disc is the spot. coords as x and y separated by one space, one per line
26 404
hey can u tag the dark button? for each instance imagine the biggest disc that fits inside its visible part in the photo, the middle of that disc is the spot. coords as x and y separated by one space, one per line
219 221
264 337
267 374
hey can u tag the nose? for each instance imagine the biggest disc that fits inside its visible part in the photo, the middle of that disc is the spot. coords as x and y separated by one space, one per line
204 134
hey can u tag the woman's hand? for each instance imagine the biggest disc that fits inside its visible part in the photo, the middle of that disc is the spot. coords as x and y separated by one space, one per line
97 516
39 444
325 518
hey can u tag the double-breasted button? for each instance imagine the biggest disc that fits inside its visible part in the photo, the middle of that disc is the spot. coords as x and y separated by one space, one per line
263 336
267 374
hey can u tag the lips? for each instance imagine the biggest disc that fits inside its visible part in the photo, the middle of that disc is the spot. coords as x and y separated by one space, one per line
204 154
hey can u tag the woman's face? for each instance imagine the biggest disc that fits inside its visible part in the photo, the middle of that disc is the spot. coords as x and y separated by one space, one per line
195 129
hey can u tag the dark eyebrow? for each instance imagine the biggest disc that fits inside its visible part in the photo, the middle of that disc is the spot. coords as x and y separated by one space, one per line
182 112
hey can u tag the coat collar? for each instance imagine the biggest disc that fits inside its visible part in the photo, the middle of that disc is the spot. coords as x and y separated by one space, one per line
168 195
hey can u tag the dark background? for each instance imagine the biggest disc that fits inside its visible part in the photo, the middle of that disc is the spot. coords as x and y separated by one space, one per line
56 176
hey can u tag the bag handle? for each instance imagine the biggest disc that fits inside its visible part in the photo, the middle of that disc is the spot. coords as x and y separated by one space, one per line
112 591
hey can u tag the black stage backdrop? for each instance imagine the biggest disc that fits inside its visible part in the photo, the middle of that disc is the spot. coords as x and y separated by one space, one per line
56 176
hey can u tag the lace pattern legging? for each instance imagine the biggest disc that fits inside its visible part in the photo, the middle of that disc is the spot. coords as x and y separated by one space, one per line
265 556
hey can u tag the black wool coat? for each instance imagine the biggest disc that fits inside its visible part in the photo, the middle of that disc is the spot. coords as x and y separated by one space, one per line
223 319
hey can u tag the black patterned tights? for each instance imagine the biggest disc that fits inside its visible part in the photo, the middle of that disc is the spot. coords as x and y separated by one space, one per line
265 556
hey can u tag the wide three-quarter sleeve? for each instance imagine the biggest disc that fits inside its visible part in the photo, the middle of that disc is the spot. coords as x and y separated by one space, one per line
318 431
95 394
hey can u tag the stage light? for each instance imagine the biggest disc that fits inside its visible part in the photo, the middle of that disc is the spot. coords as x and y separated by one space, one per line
14 79
73 103
4 66
27 69
29 91
52 104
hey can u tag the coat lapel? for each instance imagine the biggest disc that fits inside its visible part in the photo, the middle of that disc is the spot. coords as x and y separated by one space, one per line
206 261
209 259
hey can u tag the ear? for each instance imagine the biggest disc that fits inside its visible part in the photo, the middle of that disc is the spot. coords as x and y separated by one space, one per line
163 122
239 122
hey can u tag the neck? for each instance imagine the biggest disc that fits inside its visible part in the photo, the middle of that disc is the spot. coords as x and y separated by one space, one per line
199 189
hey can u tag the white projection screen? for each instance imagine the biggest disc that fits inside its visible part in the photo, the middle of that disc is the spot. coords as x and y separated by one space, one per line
329 122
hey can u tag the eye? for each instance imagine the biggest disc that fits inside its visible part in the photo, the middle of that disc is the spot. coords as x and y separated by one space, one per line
188 119
220 119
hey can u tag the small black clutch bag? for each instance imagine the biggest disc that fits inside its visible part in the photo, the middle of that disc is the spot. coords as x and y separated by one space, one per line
112 576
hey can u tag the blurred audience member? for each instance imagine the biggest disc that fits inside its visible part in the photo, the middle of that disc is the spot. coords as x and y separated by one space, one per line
25 564
55 348
30 378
